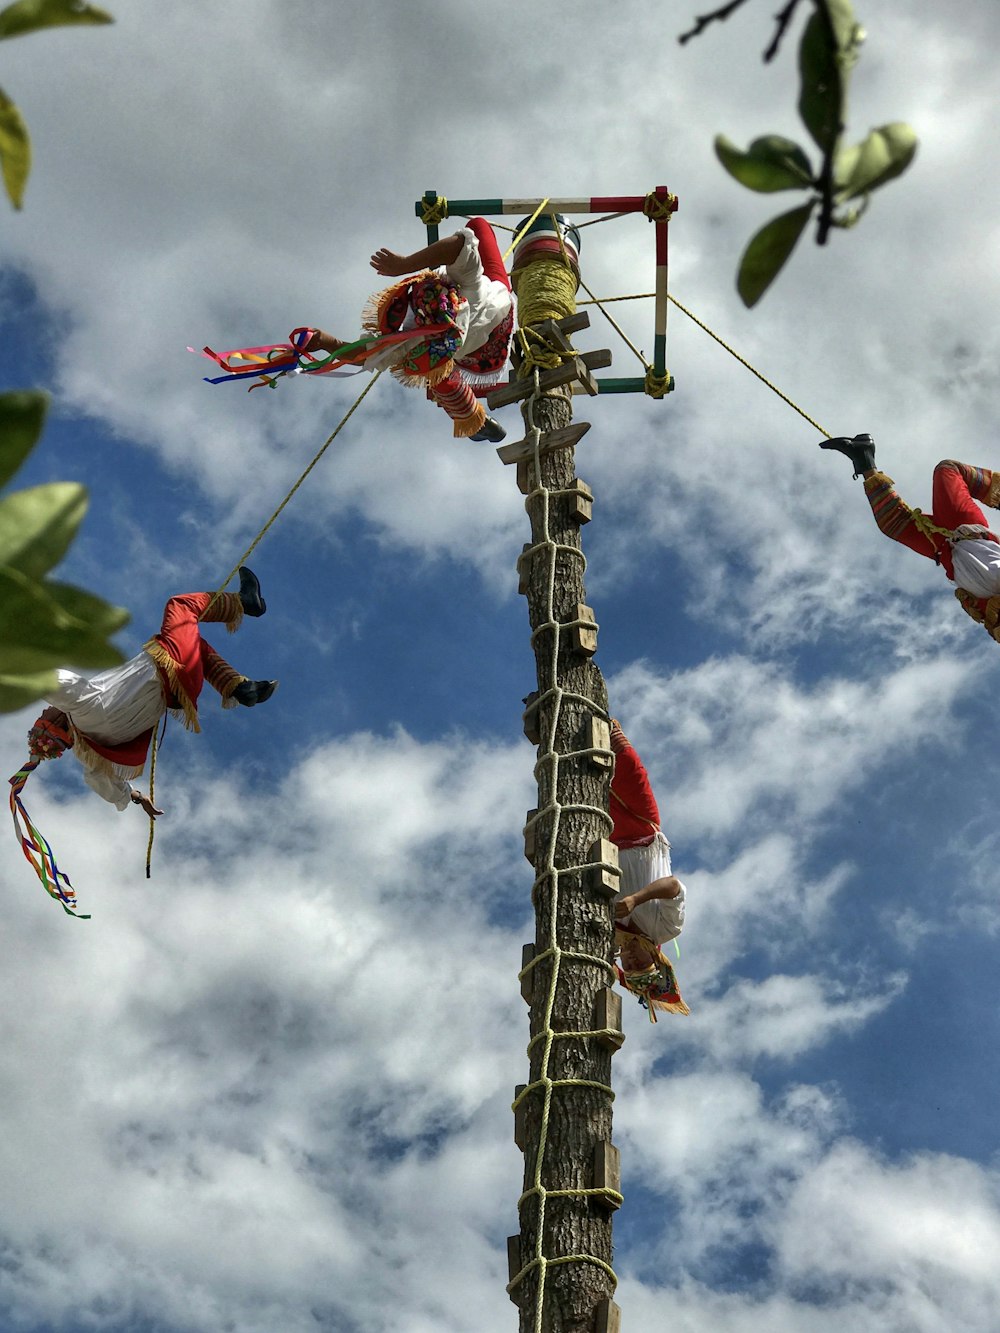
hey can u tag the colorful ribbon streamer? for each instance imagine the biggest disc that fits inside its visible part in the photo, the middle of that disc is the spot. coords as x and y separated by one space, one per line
267 363
37 848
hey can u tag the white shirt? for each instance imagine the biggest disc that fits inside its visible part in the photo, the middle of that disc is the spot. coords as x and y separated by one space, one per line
660 919
976 561
112 706
485 304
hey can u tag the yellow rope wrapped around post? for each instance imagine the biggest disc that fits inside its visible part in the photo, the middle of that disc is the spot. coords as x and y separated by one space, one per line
657 386
433 213
657 209
546 289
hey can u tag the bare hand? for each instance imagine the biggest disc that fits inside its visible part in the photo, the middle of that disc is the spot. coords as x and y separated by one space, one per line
138 798
322 342
389 264
625 906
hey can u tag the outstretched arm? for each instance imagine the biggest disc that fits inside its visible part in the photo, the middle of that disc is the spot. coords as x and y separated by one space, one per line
667 887
392 265
141 799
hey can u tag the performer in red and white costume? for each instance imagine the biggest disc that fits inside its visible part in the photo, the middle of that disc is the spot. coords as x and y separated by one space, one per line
649 906
108 718
955 535
472 295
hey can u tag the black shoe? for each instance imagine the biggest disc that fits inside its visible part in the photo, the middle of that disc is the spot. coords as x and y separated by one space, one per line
253 603
250 692
860 450
490 431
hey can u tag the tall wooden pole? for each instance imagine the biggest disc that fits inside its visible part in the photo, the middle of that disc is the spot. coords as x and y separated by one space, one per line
560 1264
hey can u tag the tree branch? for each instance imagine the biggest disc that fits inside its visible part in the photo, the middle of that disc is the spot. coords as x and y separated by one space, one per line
702 21
784 17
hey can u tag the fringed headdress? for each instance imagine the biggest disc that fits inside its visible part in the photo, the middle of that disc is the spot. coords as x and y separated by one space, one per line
656 985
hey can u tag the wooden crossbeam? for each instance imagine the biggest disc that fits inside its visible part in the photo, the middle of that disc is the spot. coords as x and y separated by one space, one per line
574 368
563 438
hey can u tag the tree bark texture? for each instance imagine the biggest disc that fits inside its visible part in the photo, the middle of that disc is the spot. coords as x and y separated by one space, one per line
579 1117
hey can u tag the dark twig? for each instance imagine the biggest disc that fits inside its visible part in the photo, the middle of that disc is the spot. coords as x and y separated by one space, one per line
702 21
784 17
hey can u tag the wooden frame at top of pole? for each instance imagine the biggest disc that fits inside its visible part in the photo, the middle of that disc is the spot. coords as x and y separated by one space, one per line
658 206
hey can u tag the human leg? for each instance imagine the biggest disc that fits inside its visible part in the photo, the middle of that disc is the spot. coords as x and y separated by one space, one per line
896 519
957 487
489 252
177 649
455 397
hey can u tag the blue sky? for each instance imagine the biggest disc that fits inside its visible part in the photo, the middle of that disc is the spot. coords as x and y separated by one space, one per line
215 1116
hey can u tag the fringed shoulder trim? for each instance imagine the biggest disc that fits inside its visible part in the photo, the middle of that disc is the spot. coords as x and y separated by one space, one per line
186 710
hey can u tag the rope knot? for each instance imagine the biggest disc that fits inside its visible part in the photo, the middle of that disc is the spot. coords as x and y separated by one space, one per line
658 209
433 213
657 386
537 353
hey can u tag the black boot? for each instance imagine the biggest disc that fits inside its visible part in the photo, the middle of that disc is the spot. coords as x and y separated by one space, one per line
860 450
490 431
253 602
250 692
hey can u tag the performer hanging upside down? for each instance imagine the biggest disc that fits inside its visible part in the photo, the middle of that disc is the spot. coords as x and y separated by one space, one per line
649 907
448 332
471 299
108 719
955 536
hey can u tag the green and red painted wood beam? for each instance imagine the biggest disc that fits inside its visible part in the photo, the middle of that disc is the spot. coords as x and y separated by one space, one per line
659 205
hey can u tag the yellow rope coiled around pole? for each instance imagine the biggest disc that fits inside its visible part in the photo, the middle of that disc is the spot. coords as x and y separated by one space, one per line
432 214
546 289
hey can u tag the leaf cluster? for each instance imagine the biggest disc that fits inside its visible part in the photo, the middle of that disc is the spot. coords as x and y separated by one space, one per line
840 185
17 20
43 624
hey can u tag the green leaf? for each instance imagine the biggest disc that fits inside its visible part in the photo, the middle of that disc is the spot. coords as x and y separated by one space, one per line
769 164
823 92
885 154
767 252
86 609
26 16
22 416
38 524
844 162
15 150
17 691
843 24
39 631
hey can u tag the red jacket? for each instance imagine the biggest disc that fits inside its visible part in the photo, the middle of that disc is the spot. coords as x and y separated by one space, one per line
633 806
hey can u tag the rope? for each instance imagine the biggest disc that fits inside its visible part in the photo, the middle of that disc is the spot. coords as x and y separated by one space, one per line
615 325
267 526
527 227
643 296
657 209
743 362
152 789
546 289
605 217
433 213
550 874
246 556
657 386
